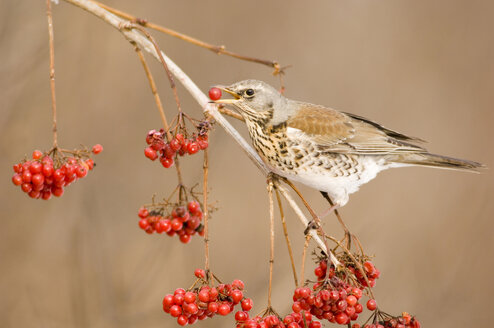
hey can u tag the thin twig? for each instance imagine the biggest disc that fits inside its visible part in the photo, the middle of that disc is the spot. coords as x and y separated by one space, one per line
271 237
154 90
52 72
287 239
304 255
205 167
220 50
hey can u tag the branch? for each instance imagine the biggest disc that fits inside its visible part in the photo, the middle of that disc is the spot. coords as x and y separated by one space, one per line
135 37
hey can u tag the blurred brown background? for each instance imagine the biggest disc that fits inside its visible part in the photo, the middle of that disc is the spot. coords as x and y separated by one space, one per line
422 67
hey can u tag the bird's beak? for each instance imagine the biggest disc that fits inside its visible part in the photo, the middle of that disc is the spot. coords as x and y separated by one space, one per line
227 101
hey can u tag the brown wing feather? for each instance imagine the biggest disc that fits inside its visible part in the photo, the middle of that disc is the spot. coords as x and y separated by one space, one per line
340 132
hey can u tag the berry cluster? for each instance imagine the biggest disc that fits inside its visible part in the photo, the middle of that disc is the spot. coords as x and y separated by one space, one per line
206 301
333 300
403 321
293 320
183 221
47 174
166 151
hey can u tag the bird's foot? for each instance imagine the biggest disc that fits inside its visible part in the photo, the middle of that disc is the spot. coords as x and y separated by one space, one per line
312 225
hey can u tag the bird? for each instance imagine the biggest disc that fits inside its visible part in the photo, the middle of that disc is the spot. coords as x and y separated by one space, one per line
332 151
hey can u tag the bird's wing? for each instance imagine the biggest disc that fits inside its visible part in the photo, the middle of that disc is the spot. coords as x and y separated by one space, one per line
347 133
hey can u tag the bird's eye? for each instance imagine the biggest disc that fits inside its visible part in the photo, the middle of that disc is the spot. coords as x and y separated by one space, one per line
249 92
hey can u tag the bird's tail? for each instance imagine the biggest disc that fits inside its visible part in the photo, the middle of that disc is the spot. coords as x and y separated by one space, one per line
439 161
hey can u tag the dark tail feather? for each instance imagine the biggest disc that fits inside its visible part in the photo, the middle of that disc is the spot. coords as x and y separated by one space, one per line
439 161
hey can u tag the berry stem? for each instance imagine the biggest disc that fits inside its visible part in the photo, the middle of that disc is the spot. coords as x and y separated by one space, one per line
304 255
205 167
287 239
52 72
165 66
271 235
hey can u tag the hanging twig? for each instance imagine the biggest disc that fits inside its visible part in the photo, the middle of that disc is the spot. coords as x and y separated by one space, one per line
287 239
205 212
271 237
304 255
52 73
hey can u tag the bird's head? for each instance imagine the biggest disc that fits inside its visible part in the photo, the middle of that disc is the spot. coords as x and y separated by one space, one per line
255 99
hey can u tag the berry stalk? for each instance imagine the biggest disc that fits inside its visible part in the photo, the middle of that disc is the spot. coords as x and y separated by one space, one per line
205 167
52 72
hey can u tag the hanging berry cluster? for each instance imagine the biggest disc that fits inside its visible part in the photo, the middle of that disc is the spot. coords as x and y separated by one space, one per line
179 144
333 300
205 301
183 221
47 174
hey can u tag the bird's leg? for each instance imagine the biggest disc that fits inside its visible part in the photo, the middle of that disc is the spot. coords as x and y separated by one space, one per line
334 207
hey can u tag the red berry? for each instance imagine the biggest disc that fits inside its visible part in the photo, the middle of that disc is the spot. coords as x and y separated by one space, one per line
176 224
80 171
192 148
27 187
341 318
241 316
175 144
166 162
185 238
37 154
47 169
26 176
239 284
175 311
143 212
97 149
214 93
150 153
38 179
193 207
35 167
203 295
34 194
17 179
163 226
90 163
246 304
371 304
236 296
189 297
182 320
213 307
224 309
199 273
57 191
351 300
143 224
